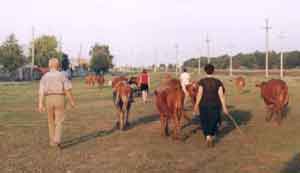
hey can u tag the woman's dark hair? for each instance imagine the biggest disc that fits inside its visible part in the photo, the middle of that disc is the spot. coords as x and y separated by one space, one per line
184 70
144 71
209 68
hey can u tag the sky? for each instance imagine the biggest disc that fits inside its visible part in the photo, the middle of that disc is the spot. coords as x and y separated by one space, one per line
143 32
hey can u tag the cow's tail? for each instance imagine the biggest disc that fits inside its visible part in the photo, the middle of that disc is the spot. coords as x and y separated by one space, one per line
155 93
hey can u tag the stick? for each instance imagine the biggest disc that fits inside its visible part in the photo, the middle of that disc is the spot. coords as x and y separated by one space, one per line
236 124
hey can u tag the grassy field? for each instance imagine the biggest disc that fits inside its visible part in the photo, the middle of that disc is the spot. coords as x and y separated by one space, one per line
92 144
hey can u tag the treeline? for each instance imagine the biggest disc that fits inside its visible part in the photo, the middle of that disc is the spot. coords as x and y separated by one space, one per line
254 60
12 54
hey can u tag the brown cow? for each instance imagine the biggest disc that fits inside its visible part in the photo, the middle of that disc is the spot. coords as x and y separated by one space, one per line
92 79
89 80
240 83
169 100
100 80
122 94
116 80
192 89
275 95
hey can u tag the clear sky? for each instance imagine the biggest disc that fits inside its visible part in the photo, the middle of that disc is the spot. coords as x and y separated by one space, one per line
141 32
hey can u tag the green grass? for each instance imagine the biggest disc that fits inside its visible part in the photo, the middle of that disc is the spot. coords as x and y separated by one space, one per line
93 145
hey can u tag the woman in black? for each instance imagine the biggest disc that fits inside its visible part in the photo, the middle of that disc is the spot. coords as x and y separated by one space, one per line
210 101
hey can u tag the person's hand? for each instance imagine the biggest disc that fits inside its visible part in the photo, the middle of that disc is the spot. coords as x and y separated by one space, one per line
72 103
195 110
225 110
41 108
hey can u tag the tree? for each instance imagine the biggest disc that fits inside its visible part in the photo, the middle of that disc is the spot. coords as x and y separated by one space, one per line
11 54
101 58
45 47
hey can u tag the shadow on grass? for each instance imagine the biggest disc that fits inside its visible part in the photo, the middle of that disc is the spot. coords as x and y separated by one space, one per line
102 133
87 137
240 116
292 166
246 91
143 120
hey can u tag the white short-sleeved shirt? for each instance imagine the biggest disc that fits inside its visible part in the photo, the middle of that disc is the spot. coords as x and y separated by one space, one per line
185 78
54 82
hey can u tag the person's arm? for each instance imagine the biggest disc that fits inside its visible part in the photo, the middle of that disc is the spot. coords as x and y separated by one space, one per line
149 81
198 99
41 107
223 100
139 81
68 91
70 97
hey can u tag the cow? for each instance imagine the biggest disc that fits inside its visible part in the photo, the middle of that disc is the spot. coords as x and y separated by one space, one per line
240 83
192 90
122 94
275 95
100 80
89 80
116 80
169 100
92 79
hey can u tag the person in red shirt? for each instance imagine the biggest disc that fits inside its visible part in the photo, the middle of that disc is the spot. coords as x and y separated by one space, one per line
144 84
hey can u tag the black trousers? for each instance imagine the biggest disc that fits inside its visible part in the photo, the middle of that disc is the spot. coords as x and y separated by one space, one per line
210 118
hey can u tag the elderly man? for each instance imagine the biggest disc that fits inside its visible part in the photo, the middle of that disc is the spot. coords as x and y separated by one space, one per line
54 85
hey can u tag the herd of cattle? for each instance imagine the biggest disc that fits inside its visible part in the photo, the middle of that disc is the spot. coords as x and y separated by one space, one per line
169 99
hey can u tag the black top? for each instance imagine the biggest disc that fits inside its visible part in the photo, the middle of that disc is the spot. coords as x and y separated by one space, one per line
210 96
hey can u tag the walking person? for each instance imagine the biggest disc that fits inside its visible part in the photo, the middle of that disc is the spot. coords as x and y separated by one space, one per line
210 102
54 85
144 84
185 80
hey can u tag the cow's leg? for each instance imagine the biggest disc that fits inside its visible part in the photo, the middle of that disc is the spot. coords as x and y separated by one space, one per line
162 124
270 112
127 114
121 120
176 126
166 126
278 116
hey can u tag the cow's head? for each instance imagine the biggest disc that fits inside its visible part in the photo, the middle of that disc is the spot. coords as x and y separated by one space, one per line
133 80
261 85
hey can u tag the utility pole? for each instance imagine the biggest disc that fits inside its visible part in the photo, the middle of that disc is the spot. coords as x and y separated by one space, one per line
281 37
267 28
208 48
199 65
155 60
230 70
199 62
79 54
176 54
32 54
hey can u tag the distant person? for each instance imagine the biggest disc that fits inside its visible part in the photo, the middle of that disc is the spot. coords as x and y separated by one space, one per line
185 80
65 66
54 85
210 102
144 84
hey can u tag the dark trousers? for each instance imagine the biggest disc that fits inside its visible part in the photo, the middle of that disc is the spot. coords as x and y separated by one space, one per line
210 118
